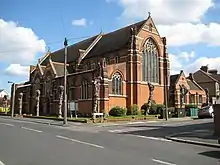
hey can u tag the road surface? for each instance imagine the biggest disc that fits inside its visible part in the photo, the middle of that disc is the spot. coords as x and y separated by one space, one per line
27 143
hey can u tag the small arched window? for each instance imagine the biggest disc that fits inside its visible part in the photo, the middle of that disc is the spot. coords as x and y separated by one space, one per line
84 90
117 84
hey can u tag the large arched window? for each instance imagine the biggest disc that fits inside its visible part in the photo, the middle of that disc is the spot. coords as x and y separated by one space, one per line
150 63
84 90
117 84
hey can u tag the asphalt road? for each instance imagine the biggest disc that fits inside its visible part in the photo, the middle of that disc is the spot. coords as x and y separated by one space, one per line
27 143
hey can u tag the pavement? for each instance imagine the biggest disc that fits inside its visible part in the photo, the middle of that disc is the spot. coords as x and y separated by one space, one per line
204 137
28 143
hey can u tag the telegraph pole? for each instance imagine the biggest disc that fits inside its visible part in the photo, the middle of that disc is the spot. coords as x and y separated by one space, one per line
65 82
166 93
13 99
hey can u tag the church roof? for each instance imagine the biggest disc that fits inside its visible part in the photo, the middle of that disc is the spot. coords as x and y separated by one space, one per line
109 42
114 40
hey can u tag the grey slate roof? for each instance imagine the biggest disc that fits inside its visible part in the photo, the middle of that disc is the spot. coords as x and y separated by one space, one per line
114 40
109 42
216 76
192 85
73 51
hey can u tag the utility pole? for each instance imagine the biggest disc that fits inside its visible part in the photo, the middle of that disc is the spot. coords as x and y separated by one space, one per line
13 102
166 93
65 82
13 99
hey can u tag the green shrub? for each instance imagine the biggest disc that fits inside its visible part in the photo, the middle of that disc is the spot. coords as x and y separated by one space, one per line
118 111
155 108
134 110
160 107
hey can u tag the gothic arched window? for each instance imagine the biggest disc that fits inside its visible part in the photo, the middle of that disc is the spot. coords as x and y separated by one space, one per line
84 90
117 84
150 63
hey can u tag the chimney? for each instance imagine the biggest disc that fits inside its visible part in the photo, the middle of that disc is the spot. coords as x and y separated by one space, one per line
204 68
191 77
213 71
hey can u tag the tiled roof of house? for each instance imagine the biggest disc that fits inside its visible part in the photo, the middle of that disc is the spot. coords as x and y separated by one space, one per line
192 85
109 42
216 76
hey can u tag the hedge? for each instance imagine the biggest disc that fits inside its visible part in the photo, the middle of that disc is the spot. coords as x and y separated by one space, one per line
118 111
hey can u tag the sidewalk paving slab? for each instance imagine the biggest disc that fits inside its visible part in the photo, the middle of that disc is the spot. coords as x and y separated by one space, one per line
198 137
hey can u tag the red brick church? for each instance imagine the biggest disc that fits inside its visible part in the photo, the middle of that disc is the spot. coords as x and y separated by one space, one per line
125 59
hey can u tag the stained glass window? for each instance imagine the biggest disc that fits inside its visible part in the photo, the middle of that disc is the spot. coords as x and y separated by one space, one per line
150 63
117 84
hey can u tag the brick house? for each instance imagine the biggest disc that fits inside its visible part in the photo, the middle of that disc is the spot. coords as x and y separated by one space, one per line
210 79
128 59
193 93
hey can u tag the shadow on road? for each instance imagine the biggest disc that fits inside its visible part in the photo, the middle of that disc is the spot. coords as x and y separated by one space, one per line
162 131
212 154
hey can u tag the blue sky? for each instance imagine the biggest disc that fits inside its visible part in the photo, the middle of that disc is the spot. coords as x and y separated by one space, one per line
193 35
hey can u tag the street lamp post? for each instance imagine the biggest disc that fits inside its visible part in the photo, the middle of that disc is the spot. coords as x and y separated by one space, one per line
13 99
65 82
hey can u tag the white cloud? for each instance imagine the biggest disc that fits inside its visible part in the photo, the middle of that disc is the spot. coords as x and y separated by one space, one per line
175 64
18 44
181 62
17 70
188 33
166 11
213 63
79 22
177 61
178 20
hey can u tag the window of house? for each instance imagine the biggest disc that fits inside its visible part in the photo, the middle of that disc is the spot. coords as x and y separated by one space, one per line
200 98
217 88
84 90
117 84
185 99
150 63
192 98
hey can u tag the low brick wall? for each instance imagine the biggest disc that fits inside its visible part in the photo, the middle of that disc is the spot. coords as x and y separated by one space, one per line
217 119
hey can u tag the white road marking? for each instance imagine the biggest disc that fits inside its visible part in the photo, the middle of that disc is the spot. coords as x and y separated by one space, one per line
78 141
1 163
35 130
126 130
162 162
7 125
153 138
